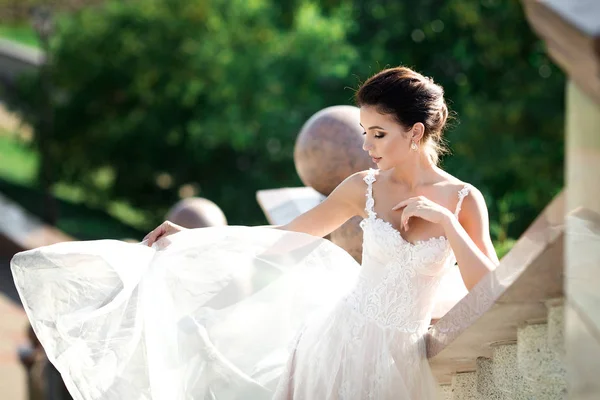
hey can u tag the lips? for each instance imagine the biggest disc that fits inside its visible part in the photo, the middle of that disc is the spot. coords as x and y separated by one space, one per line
376 159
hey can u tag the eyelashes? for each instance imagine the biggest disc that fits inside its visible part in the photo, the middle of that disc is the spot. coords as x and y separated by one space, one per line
377 136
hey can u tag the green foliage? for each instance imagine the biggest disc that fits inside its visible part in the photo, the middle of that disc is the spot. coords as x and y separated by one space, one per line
204 95
21 33
17 162
154 96
507 95
76 220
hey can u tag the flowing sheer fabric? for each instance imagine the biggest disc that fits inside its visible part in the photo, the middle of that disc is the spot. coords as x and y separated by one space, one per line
239 313
204 314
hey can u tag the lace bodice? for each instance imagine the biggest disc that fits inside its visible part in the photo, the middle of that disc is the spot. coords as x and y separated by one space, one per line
399 279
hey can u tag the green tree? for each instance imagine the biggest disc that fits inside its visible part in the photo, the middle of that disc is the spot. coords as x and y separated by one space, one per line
508 97
158 96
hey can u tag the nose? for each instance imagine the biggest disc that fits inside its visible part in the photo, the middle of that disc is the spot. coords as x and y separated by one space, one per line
367 144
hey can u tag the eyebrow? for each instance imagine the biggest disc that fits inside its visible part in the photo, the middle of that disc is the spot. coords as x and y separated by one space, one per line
373 127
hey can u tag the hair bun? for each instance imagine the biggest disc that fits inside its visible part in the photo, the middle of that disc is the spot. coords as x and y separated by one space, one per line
411 98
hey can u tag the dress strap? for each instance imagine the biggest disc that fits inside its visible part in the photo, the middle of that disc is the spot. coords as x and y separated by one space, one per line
369 179
462 193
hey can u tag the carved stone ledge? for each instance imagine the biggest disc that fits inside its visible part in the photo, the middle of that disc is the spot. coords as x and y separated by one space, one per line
571 31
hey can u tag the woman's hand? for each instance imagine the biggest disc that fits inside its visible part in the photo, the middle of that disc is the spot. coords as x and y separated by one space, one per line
165 229
424 208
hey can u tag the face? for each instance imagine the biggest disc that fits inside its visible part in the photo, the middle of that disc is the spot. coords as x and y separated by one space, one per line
387 142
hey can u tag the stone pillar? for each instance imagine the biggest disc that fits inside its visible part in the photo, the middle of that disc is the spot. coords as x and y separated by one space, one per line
582 258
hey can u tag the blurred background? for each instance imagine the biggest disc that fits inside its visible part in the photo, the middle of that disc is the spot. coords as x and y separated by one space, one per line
132 106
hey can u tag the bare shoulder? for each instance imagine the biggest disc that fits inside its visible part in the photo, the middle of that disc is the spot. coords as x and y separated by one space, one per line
356 181
352 190
453 185
455 189
473 205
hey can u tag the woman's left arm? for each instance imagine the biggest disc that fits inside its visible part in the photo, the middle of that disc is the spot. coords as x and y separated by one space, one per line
469 237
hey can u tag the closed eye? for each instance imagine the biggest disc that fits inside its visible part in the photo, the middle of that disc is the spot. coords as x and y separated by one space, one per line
377 135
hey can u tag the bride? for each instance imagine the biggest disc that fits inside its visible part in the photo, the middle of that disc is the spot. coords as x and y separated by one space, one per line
259 313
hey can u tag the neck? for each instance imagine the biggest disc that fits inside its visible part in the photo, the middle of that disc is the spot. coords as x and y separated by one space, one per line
413 173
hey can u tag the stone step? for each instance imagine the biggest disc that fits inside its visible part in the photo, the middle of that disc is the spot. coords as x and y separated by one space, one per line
505 371
556 337
464 386
530 368
539 355
446 392
486 386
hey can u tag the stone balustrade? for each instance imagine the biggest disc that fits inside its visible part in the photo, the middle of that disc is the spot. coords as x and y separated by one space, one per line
16 58
19 230
514 294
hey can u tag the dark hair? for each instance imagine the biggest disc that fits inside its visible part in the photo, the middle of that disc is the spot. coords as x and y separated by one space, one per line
410 97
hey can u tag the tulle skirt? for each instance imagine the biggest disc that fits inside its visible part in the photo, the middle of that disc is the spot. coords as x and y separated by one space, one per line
341 355
214 313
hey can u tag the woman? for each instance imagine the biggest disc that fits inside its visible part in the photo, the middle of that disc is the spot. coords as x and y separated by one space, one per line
208 313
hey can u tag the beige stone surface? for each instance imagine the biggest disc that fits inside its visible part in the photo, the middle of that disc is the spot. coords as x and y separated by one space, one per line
505 371
582 269
486 386
446 392
583 360
283 205
464 386
541 367
556 326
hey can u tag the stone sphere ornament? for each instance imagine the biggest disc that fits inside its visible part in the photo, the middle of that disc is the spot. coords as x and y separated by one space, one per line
349 237
328 148
196 212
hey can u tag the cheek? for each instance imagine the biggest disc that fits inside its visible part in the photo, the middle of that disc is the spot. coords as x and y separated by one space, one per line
393 148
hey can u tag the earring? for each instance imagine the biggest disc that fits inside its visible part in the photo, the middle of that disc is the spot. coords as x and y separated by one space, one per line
414 146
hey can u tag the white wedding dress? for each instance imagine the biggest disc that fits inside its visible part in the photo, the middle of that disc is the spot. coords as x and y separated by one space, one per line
238 313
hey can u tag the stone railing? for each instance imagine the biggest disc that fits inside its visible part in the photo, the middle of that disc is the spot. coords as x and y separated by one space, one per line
20 231
570 30
16 59
504 339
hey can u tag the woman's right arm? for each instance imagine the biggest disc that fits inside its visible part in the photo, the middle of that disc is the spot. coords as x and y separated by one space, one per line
345 202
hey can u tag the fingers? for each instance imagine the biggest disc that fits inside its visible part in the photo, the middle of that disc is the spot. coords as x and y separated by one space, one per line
404 220
412 209
406 202
154 235
406 205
